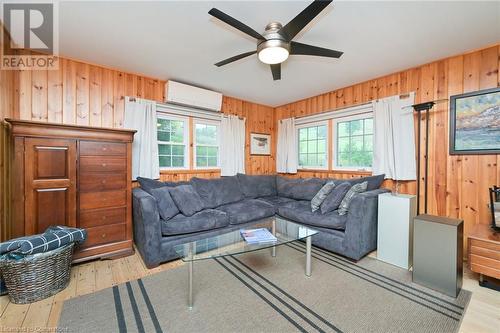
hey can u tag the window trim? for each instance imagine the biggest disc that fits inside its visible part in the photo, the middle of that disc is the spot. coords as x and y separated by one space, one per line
335 122
160 115
327 152
206 122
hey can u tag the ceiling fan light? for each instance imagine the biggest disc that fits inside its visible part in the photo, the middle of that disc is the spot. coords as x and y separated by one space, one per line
273 55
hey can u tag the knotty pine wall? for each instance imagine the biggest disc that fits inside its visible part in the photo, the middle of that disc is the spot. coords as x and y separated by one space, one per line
7 106
458 185
90 95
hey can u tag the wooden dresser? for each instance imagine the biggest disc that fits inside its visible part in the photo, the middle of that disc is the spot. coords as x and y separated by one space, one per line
74 176
484 251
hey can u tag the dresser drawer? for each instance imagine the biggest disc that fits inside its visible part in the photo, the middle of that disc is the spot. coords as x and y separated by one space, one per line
100 217
483 261
91 200
484 252
102 164
93 148
486 245
105 234
102 181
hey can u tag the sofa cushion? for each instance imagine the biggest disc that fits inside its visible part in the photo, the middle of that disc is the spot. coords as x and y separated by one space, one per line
148 184
334 198
321 195
374 182
207 219
217 192
299 189
275 200
346 202
166 205
179 183
300 211
186 199
257 186
247 210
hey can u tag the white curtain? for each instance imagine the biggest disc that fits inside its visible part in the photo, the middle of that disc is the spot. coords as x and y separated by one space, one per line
232 146
140 115
286 154
394 138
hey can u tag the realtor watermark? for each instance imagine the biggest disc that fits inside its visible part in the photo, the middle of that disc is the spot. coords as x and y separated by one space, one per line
30 37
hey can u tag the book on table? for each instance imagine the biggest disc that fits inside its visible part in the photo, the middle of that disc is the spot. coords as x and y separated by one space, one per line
258 236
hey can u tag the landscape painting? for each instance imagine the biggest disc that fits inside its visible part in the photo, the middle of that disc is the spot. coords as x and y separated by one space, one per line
475 122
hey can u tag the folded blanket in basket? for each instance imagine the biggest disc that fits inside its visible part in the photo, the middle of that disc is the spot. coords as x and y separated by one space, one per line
52 238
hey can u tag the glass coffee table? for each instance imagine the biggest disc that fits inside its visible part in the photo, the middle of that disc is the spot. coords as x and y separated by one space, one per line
232 243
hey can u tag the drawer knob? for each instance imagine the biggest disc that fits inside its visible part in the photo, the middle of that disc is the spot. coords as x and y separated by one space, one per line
104 181
104 148
103 235
104 164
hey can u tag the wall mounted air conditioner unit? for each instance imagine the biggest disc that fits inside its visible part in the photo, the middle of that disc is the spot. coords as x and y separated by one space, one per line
183 94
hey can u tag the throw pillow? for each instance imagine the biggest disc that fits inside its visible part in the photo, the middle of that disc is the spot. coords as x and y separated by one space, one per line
321 195
148 184
374 182
333 200
355 189
166 205
186 199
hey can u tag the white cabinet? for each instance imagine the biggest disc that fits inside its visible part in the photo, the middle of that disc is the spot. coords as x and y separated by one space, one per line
395 228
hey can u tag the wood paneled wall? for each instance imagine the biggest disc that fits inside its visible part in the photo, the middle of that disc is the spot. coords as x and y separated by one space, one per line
458 184
90 95
81 94
85 94
8 81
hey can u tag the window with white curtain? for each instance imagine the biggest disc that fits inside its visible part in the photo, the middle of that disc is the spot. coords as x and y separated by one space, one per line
313 145
353 142
173 138
206 144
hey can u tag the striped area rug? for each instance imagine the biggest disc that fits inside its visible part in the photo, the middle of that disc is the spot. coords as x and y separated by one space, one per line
255 292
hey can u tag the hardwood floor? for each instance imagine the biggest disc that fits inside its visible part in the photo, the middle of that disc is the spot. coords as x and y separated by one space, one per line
483 313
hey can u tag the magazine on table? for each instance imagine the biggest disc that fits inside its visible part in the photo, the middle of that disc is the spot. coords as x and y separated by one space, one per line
258 236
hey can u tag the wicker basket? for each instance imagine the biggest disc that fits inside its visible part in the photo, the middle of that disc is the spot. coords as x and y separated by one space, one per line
38 276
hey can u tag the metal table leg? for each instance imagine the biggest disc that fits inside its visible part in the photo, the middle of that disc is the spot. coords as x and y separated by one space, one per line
190 276
273 230
308 256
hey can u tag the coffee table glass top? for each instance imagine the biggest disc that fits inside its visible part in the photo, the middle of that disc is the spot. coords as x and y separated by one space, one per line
233 243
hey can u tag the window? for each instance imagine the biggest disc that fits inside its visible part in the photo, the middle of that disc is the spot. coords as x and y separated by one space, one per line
313 145
172 142
353 138
206 144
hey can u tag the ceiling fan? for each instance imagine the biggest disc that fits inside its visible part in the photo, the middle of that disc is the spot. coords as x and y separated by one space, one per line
276 44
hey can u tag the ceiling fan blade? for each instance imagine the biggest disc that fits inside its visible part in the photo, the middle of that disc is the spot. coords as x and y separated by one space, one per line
235 23
305 49
236 57
292 28
276 70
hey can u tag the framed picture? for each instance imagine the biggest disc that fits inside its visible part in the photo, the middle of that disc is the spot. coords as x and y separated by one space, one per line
475 122
260 144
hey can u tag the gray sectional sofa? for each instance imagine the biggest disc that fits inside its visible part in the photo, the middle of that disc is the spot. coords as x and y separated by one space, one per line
232 203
